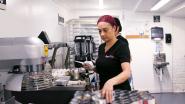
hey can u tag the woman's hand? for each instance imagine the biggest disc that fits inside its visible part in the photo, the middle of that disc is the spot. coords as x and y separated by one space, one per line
88 65
107 91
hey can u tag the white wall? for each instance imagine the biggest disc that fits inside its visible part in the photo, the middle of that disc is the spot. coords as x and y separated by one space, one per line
27 18
178 54
30 17
142 50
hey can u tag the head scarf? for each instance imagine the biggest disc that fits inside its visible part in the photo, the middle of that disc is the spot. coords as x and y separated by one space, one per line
107 18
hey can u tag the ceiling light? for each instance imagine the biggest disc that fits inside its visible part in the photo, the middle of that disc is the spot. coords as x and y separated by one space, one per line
159 5
101 4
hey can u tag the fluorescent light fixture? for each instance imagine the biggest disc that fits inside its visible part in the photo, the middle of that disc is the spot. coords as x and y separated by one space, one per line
159 5
101 4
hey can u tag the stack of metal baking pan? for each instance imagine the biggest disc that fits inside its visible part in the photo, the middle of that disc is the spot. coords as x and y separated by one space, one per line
133 97
34 81
119 97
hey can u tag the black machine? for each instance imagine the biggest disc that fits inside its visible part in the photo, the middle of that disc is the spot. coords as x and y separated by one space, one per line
168 38
84 49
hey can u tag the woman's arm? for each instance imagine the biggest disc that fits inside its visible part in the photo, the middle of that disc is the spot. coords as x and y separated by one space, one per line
107 90
123 76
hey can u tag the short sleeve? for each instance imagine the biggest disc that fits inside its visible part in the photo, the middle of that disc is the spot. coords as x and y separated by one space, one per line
123 53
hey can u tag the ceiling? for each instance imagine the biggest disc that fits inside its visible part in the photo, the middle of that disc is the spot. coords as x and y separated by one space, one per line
174 8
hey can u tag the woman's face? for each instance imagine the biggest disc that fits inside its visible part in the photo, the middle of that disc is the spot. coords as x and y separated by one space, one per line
106 31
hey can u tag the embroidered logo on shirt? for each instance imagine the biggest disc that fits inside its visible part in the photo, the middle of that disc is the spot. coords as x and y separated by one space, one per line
109 56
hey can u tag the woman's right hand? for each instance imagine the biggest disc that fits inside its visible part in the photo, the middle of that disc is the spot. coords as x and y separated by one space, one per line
107 91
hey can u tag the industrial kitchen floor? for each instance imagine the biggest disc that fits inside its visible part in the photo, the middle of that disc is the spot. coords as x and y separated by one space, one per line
170 98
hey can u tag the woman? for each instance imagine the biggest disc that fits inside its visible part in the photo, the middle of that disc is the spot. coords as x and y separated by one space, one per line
113 62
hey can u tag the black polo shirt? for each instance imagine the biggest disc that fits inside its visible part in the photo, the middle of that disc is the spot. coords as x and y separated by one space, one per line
122 39
108 64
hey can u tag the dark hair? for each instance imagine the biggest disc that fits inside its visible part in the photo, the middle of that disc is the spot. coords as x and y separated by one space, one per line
107 18
118 24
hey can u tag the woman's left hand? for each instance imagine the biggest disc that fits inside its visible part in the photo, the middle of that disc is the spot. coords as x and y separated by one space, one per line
107 91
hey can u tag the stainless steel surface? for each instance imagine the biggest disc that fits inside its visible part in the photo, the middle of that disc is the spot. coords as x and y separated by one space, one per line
30 81
32 68
20 51
24 57
76 74
160 60
27 47
14 82
56 46
162 77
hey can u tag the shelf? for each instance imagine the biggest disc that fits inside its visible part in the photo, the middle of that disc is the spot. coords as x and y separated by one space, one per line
84 27
136 36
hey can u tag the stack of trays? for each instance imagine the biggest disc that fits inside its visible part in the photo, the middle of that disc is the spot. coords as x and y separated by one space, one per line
119 97
133 97
37 81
